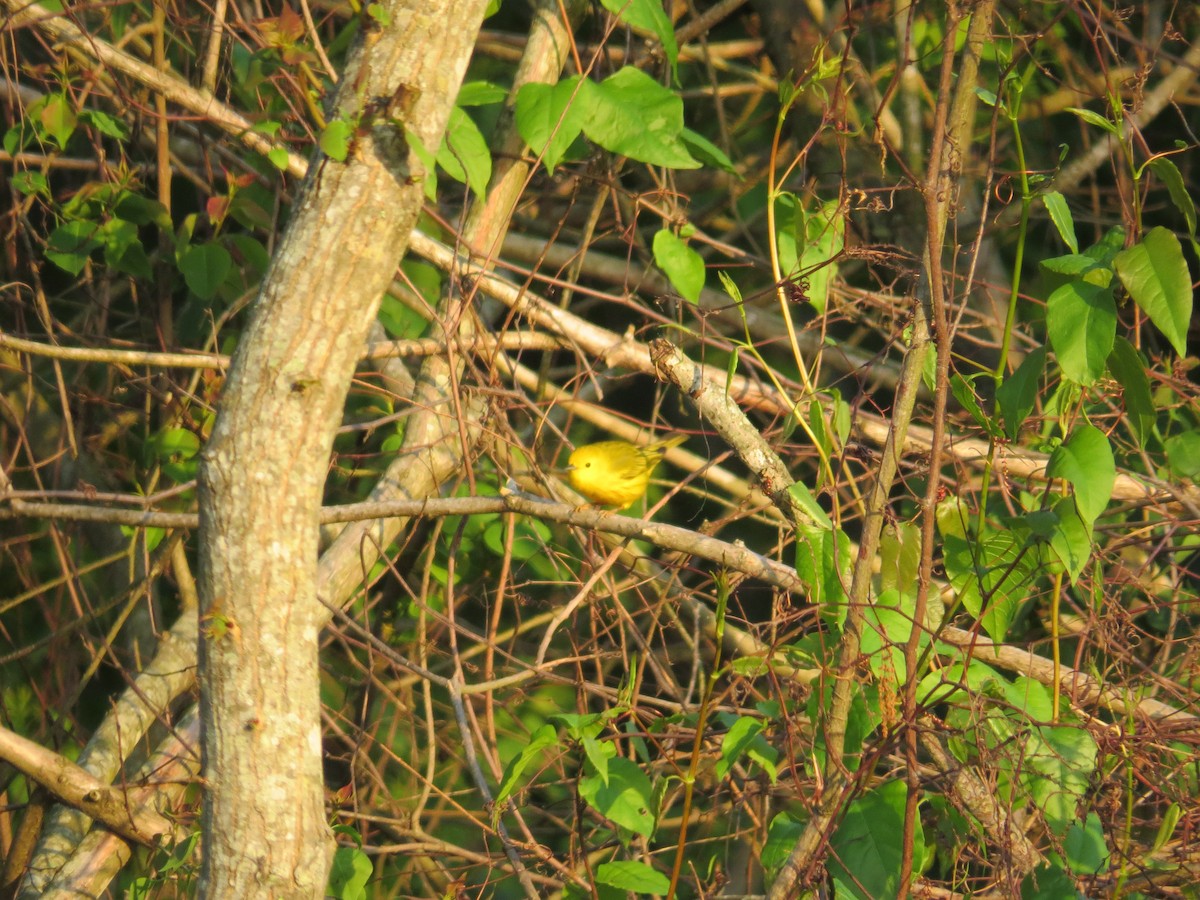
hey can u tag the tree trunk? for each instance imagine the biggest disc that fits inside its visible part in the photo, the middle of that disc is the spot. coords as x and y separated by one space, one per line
260 489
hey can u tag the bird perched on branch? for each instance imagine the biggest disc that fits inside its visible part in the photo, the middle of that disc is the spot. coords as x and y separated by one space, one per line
616 473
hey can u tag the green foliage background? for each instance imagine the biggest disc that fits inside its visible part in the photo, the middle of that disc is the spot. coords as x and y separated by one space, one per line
615 716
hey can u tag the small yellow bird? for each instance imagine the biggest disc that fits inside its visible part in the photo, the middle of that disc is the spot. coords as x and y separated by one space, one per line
616 473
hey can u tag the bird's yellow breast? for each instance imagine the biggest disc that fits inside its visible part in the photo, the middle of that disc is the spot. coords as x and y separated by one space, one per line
615 473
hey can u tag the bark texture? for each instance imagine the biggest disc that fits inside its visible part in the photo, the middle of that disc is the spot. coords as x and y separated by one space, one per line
264 469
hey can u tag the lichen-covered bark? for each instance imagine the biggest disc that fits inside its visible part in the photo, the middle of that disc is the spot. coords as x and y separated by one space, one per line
264 819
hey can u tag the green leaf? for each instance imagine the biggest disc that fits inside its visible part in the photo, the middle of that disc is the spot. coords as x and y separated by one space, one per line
731 287
251 257
480 93
183 856
951 685
823 239
625 797
1086 461
123 249
706 151
1094 119
964 393
988 97
789 232
17 138
900 558
580 726
400 320
823 562
731 365
1040 522
57 118
991 576
1166 827
766 756
785 829
550 117
105 124
464 154
952 517
803 498
141 210
380 13
867 848
1106 249
1049 882
1170 175
542 739
1085 847
1060 270
1058 766
427 280
598 753
1156 276
820 431
631 875
117 234
1060 215
1183 454
530 538
744 738
1017 396
1126 366
886 627
149 538
1070 538
336 138
839 416
278 157
204 267
809 244
30 183
631 114
1026 700
175 451
648 16
171 444
349 874
1081 320
70 245
682 265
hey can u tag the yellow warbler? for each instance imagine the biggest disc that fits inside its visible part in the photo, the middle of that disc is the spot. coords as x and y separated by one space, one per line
616 473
